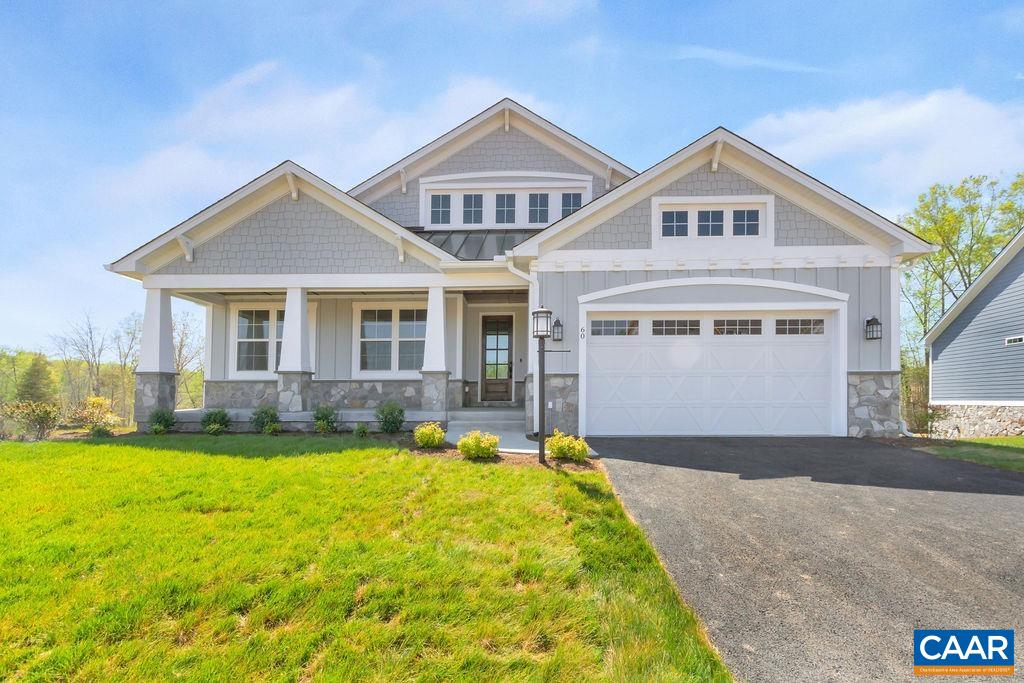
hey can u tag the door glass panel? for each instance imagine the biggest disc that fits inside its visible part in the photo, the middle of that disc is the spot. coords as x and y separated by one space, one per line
497 348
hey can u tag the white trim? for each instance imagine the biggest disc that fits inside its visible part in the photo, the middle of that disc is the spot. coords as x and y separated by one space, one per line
702 281
460 314
764 204
987 275
1013 404
394 307
232 371
895 301
498 277
475 175
480 348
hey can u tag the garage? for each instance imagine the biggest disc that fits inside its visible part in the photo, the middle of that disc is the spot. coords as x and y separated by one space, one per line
699 372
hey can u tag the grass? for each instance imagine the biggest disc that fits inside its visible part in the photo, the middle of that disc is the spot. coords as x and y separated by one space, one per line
1006 452
251 557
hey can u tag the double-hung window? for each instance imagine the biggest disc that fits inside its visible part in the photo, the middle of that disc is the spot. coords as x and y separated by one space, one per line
505 208
472 209
391 339
571 202
440 209
674 223
375 340
538 207
253 352
710 223
412 333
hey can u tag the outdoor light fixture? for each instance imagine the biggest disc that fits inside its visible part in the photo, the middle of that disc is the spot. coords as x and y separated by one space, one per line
872 329
541 323
556 330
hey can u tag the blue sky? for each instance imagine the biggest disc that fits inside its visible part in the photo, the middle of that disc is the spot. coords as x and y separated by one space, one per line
118 121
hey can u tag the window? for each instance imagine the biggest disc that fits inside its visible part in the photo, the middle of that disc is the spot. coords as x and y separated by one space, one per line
472 208
412 332
505 208
675 328
800 326
538 207
1013 341
738 327
614 328
673 223
253 351
710 223
375 340
571 201
280 335
744 221
440 209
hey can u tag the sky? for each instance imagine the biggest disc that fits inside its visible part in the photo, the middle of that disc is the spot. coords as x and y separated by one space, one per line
120 120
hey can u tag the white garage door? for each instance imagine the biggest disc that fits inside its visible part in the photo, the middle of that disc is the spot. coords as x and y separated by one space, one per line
710 374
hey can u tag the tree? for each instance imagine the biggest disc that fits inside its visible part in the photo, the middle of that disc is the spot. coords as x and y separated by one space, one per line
35 383
126 348
188 351
85 342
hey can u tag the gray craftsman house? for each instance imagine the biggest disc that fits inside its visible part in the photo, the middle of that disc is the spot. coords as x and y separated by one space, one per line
721 291
977 353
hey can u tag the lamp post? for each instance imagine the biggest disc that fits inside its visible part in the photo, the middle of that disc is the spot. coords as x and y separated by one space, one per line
541 331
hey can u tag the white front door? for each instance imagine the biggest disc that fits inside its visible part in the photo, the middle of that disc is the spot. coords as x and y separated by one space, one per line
725 373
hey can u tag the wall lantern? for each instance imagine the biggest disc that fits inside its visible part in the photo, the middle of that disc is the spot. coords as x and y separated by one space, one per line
556 330
541 323
872 329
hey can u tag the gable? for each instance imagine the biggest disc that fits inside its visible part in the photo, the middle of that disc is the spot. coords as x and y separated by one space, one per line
499 150
295 236
631 229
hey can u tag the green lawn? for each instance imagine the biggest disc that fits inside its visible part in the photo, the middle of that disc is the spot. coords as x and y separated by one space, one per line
298 558
1006 452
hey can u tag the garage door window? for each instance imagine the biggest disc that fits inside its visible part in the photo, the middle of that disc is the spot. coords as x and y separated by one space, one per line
737 327
675 328
614 328
800 326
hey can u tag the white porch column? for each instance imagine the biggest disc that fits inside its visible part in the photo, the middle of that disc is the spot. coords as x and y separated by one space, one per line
156 350
295 344
434 359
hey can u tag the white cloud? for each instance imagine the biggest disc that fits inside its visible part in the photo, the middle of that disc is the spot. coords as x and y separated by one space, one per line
1010 19
897 146
737 60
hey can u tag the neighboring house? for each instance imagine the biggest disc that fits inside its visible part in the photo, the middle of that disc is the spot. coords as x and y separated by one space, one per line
721 291
977 353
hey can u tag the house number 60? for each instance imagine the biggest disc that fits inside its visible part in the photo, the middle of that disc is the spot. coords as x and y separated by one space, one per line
583 333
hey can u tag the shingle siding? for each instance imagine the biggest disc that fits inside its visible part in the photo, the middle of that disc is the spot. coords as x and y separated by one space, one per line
631 229
970 360
296 237
497 151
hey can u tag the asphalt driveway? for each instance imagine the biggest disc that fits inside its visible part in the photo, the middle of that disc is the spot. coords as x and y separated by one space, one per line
815 559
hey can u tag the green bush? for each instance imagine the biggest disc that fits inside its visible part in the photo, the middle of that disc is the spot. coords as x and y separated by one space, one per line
261 417
391 416
361 430
272 428
36 418
565 447
161 420
428 435
100 432
325 419
477 445
215 422
95 411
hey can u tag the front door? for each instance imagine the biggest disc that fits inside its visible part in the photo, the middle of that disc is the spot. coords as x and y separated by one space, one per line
497 358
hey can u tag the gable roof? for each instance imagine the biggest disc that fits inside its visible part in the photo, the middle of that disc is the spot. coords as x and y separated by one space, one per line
910 243
1013 247
508 111
254 195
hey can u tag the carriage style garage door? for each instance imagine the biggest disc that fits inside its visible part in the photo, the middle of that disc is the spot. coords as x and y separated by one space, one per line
729 373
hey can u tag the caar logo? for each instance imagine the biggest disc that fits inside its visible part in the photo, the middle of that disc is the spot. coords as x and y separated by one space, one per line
963 652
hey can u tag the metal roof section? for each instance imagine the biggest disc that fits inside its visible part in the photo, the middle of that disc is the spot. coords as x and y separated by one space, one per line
474 245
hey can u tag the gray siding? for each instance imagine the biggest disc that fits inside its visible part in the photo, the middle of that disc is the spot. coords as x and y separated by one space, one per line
869 290
970 361
631 229
497 151
301 236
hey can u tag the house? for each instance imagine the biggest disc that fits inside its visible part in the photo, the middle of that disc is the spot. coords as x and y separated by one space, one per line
721 291
976 353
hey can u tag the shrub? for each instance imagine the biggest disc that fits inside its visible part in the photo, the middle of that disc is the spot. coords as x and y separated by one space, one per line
95 411
361 430
272 428
100 432
261 417
428 435
39 419
566 447
161 420
215 422
325 419
477 445
391 417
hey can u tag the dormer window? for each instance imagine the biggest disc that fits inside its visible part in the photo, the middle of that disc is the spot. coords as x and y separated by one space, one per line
710 223
472 209
674 223
538 207
441 209
706 223
745 221
571 202
504 208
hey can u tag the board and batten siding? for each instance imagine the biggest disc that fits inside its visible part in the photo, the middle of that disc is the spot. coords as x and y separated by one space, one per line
970 359
869 290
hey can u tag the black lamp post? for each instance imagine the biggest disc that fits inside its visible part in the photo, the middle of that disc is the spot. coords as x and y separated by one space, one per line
872 329
541 331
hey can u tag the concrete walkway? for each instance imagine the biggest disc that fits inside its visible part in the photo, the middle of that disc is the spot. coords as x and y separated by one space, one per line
508 424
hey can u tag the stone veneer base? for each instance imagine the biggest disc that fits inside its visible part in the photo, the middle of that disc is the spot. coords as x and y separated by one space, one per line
969 421
873 404
562 392
153 390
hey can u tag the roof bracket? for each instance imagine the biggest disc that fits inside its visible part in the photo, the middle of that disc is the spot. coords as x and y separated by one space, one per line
506 119
401 174
292 186
187 247
400 246
608 178
716 157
